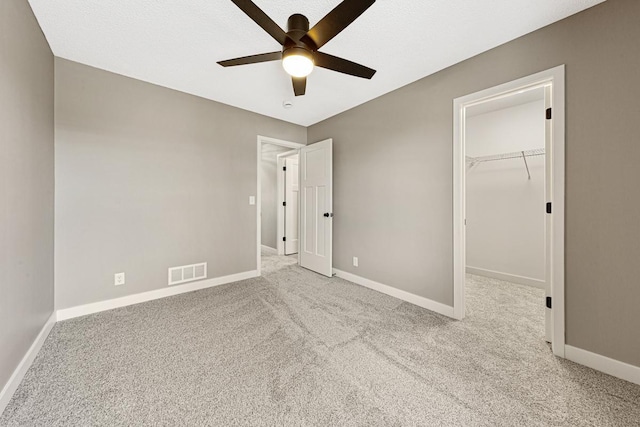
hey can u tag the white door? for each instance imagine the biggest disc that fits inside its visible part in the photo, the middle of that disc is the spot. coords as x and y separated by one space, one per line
316 207
291 193
548 187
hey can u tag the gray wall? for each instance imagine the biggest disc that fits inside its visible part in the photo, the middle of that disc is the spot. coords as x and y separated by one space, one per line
269 194
393 173
148 178
26 183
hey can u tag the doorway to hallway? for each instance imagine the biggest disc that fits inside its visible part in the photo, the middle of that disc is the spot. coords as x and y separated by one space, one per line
271 200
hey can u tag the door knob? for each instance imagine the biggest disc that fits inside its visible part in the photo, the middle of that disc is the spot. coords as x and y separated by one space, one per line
328 215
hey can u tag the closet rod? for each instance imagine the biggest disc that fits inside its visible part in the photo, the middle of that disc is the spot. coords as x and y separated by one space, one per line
506 156
473 161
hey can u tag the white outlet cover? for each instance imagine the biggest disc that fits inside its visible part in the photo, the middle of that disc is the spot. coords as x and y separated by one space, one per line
119 279
252 200
355 261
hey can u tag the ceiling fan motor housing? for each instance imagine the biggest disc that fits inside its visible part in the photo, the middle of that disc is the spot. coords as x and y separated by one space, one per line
297 28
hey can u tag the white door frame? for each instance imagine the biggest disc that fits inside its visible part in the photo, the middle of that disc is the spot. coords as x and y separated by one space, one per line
280 185
274 141
555 78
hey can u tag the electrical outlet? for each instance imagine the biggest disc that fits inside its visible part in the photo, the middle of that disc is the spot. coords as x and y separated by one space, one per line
252 200
119 279
355 261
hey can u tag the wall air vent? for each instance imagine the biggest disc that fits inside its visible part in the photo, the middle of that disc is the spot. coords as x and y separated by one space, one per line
187 273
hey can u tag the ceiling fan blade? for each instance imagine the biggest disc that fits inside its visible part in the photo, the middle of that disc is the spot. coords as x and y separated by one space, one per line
299 85
340 65
337 20
261 18
252 59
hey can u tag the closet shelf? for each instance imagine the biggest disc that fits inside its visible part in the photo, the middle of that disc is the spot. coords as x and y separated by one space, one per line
472 161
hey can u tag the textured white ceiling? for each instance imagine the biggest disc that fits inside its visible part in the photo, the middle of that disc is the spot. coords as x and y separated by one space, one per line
176 44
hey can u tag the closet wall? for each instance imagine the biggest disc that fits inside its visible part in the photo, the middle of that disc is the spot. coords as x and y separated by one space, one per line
505 209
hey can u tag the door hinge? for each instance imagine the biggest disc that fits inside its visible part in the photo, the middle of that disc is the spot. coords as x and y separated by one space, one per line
549 112
284 239
548 207
284 203
548 302
284 168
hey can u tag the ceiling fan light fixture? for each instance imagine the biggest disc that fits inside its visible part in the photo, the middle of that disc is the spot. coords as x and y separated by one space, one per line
297 62
300 44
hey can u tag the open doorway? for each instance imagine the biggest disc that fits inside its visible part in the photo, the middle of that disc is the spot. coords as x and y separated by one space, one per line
273 201
509 197
505 188
505 219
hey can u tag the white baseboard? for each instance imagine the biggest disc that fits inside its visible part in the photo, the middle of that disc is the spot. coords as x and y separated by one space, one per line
604 364
96 307
423 302
18 374
269 250
513 278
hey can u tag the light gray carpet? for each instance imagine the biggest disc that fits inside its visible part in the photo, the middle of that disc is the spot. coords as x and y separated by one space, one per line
272 263
295 348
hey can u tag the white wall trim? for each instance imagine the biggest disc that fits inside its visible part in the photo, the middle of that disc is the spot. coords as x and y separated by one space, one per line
96 307
604 364
423 302
513 278
265 140
554 78
18 374
269 250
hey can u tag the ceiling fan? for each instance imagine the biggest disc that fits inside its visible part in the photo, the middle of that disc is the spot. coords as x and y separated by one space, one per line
300 44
